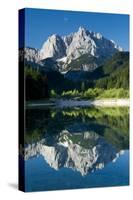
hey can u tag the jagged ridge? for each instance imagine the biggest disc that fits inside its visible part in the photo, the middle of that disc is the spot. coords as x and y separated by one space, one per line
64 50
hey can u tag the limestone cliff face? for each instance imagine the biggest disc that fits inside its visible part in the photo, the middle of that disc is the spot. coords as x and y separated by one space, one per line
65 49
54 47
29 55
77 44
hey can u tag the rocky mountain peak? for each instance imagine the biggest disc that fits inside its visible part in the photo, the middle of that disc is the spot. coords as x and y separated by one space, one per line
54 47
76 44
65 49
97 35
81 30
54 37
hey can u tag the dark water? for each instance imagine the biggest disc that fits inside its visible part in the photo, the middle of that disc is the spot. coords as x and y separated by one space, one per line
76 148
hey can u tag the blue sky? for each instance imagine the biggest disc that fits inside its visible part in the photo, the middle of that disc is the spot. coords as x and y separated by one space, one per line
39 24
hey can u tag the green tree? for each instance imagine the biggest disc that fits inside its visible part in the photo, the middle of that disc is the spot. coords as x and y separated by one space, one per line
53 93
82 86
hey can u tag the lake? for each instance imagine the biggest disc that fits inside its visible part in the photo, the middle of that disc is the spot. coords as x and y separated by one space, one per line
76 148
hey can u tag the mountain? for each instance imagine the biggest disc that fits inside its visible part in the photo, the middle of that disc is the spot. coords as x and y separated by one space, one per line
84 50
113 73
54 48
30 55
77 44
117 62
49 64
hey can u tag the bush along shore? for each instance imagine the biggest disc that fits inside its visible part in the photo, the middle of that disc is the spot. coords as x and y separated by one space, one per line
96 93
90 97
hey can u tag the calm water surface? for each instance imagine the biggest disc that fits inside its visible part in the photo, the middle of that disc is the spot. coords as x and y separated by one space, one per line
76 148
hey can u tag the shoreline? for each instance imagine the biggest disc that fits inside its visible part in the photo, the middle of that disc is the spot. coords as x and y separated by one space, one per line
67 103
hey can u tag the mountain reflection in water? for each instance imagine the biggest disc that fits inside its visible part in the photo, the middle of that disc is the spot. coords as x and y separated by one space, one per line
81 139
